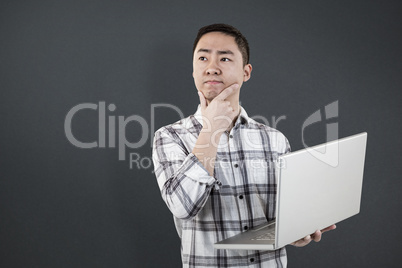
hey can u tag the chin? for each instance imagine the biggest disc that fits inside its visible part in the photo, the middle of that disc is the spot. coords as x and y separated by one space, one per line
212 94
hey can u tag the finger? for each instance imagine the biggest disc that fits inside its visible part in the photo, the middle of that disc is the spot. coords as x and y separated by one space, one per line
304 241
317 236
307 239
203 102
332 227
227 92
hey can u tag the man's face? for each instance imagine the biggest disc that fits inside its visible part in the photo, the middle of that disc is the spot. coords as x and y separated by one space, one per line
217 64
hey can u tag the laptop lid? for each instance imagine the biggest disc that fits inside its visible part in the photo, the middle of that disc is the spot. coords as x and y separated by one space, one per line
317 187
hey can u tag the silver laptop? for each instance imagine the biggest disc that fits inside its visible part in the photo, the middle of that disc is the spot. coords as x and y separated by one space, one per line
317 187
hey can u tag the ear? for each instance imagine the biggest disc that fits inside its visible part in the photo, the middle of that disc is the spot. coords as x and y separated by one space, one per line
247 72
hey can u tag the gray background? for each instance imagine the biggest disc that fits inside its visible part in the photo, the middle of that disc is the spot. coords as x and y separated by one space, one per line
62 206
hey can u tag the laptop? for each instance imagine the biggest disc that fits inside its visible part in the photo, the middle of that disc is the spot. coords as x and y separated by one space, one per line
317 187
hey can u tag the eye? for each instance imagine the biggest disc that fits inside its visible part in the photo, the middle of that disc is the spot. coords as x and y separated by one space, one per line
225 59
202 58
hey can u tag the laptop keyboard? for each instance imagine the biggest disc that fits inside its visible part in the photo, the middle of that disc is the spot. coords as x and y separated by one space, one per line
265 236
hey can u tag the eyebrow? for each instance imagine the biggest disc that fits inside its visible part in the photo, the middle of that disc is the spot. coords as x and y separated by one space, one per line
220 52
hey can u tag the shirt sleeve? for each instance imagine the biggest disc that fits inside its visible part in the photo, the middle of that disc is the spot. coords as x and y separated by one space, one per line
184 182
288 149
279 142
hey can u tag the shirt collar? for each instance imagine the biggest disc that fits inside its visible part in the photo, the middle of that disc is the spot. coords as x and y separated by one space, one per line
242 119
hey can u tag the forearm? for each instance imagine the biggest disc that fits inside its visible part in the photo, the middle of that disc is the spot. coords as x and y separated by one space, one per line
206 148
183 180
186 190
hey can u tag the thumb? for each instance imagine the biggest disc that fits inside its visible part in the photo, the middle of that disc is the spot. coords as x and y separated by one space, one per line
203 102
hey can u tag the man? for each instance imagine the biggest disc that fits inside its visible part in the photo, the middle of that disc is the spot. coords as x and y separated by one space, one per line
216 168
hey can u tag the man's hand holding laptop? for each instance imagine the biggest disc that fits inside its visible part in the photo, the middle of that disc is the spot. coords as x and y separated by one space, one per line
315 236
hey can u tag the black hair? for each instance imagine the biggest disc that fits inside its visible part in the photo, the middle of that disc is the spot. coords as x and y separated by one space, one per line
240 40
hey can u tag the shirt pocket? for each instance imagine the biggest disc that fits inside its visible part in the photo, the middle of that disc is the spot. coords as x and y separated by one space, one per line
262 169
259 169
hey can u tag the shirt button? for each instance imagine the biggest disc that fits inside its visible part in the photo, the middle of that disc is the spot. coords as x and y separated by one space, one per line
246 227
251 259
236 165
241 196
231 136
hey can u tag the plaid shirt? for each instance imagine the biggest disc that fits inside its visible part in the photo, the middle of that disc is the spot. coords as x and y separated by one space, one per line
240 195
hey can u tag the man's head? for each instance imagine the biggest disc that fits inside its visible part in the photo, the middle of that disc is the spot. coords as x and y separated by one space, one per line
219 61
240 40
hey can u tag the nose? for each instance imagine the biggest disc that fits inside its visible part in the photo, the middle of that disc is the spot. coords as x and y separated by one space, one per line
213 68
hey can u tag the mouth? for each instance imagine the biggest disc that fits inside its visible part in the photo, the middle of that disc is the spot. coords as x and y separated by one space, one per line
213 82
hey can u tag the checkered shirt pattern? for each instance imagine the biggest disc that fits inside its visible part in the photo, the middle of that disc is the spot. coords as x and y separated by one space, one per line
240 195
